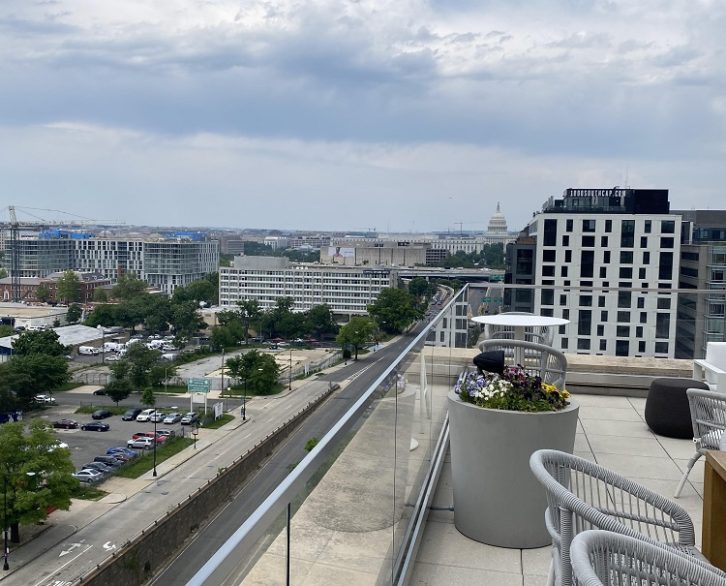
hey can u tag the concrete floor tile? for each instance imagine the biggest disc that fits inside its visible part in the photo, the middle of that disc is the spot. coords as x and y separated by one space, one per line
442 543
697 471
635 446
426 574
602 401
610 413
534 580
640 466
617 428
677 448
536 561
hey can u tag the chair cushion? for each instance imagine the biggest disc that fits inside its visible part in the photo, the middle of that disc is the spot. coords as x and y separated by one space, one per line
666 408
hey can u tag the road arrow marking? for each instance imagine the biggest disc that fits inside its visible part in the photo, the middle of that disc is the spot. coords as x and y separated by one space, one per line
70 549
108 546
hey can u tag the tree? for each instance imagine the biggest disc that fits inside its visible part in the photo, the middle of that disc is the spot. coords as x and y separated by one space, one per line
156 311
105 314
35 374
6 330
249 310
185 319
419 287
142 361
357 332
394 310
148 398
74 313
204 290
38 475
100 295
3 273
40 342
127 287
68 288
259 371
42 293
118 389
321 321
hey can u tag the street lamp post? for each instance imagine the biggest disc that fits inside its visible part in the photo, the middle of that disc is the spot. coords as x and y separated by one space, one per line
155 441
289 377
244 402
195 431
6 550
222 386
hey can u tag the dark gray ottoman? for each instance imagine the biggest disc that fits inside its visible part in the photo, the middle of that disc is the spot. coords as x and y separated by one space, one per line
666 408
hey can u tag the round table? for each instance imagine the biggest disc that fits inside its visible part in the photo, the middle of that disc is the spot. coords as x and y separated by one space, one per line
518 322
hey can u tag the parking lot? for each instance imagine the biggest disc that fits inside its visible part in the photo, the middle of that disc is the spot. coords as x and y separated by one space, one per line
85 445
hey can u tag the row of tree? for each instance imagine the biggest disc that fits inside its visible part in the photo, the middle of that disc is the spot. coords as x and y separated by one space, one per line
491 256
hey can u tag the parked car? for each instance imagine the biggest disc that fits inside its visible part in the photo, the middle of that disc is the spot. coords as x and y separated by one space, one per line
173 417
157 417
88 476
95 426
109 461
44 399
65 424
142 443
101 414
98 466
145 415
99 392
150 434
167 433
130 414
121 450
190 418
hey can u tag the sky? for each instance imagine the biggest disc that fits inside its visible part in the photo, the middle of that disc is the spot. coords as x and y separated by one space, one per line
387 115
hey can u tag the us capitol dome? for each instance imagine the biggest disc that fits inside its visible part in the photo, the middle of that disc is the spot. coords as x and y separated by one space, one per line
497 230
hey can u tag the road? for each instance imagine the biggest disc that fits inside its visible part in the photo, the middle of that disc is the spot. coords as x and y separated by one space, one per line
206 542
91 544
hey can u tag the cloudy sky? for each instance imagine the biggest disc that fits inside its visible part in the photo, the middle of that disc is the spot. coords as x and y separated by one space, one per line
332 114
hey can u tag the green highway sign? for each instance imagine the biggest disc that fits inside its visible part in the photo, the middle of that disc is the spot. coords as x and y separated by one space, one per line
197 385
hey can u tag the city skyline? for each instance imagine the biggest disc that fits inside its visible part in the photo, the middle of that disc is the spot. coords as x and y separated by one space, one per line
415 116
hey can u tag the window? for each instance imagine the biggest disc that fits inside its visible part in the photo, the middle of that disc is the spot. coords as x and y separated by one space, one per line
601 301
565 314
548 270
666 242
548 255
661 347
665 266
563 271
623 332
646 257
563 300
549 237
587 262
604 316
563 343
662 324
603 272
606 257
643 242
600 330
583 344
668 227
622 347
603 241
626 257
588 241
627 235
603 345
624 317
585 300
641 273
588 225
547 296
624 299
568 226
641 346
647 227
664 303
639 332
565 240
568 256
584 323
608 225
626 272
643 317
641 302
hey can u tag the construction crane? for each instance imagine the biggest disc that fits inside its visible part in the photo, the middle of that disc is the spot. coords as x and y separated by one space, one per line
13 226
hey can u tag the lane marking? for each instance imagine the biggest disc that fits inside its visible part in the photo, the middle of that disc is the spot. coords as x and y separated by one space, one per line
70 561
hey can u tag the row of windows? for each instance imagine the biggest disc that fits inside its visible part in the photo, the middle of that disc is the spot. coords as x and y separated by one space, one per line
590 225
622 347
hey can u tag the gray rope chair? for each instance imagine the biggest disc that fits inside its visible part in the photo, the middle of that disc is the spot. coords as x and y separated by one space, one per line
708 417
582 495
602 558
536 359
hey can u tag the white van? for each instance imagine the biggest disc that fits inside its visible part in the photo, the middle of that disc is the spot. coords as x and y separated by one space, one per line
88 350
112 346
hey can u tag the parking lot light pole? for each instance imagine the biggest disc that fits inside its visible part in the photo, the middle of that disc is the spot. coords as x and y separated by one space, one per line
289 374
6 551
155 441
244 402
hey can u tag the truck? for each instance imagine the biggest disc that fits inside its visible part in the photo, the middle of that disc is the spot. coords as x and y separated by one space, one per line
88 350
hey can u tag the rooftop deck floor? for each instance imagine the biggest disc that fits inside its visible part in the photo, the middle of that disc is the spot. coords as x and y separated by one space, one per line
612 432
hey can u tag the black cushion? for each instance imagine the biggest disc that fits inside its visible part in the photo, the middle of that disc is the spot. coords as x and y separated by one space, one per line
666 408
492 361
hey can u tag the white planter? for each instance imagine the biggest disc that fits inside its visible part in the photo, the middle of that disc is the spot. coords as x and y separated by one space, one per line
497 500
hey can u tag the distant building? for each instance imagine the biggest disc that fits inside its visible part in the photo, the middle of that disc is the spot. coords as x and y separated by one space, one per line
87 284
607 260
346 290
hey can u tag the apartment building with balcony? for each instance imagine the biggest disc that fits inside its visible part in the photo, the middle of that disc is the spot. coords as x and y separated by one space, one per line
607 260
347 290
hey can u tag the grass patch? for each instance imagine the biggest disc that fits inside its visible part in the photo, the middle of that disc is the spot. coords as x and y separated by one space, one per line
88 493
88 409
145 461
216 424
238 391
68 386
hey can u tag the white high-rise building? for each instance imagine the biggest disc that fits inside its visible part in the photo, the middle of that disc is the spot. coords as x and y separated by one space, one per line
607 260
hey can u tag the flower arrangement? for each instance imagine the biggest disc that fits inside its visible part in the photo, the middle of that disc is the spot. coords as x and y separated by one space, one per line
513 390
